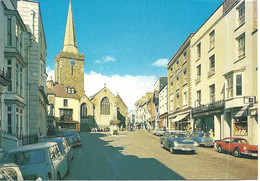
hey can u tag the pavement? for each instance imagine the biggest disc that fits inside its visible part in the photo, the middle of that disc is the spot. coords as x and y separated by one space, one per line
137 155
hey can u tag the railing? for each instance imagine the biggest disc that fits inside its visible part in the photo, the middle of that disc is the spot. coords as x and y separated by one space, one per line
208 107
4 74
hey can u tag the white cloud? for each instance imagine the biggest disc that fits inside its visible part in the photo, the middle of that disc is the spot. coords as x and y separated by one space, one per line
130 88
97 61
109 59
50 73
161 63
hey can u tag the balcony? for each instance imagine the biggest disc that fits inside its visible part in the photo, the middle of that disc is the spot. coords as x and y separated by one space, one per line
198 79
208 107
4 78
211 72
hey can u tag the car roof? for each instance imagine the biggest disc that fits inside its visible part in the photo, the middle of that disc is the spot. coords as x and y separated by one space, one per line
8 165
54 139
235 138
33 147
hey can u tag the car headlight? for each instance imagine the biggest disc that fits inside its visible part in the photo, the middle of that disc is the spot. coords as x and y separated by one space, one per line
244 147
176 143
202 140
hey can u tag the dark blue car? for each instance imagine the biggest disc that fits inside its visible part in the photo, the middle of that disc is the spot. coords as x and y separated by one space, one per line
177 140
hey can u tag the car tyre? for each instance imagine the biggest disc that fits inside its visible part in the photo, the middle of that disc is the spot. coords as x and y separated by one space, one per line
220 149
171 149
236 153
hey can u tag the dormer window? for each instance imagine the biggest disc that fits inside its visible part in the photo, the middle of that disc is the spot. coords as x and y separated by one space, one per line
71 90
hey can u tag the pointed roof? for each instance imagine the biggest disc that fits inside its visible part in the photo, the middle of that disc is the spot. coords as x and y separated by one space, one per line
70 43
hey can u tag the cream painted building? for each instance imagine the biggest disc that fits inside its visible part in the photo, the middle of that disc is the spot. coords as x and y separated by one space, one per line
240 71
224 72
179 87
143 111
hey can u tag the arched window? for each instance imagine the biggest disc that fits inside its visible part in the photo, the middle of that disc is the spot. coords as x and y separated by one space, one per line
105 106
83 110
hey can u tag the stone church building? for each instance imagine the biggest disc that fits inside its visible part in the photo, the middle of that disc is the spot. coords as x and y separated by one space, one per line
69 107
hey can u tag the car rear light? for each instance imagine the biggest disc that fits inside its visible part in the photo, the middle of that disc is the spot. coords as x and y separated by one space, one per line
49 175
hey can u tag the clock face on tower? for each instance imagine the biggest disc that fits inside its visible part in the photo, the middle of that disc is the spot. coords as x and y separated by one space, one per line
72 62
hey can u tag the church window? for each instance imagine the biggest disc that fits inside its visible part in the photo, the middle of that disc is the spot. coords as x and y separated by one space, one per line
83 110
105 106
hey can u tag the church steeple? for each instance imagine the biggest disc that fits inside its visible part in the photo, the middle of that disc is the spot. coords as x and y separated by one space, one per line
70 43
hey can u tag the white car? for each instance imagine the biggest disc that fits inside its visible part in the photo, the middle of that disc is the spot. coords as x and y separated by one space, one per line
10 171
42 160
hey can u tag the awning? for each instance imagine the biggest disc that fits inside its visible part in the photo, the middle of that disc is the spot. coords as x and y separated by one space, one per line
242 112
180 117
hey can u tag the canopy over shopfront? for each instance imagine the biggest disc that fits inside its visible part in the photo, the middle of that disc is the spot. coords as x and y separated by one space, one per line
180 117
242 112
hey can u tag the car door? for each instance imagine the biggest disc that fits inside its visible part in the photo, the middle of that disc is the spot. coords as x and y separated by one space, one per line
226 144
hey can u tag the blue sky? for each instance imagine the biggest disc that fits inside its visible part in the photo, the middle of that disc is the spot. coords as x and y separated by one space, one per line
124 37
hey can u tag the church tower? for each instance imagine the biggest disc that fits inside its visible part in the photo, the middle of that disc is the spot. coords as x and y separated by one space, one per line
69 64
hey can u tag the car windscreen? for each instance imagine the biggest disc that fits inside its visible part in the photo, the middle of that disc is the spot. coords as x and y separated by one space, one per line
180 135
27 157
7 173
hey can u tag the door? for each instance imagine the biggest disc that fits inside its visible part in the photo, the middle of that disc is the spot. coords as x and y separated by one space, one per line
226 144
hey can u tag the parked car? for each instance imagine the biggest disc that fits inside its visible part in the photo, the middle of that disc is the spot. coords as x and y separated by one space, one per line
74 135
237 146
202 139
159 131
42 160
177 140
10 172
63 146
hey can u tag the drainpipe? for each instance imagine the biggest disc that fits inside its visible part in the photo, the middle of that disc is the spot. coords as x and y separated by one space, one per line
28 84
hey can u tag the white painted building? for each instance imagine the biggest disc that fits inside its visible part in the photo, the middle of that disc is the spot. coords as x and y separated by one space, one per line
23 101
163 106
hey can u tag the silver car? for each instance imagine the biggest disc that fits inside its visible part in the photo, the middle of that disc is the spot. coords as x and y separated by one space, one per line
42 160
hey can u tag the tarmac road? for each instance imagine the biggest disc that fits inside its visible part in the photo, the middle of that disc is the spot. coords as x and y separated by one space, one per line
137 155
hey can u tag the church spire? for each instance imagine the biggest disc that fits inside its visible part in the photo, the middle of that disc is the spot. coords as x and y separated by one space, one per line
70 43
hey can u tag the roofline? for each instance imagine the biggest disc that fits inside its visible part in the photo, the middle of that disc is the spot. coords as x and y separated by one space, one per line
184 43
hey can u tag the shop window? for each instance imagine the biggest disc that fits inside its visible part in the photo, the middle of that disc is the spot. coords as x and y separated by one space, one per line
240 126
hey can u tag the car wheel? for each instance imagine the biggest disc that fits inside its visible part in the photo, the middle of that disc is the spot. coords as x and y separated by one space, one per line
236 152
192 151
219 149
198 143
162 145
171 149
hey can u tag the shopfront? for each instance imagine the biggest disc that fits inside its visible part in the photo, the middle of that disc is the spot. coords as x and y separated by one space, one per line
207 118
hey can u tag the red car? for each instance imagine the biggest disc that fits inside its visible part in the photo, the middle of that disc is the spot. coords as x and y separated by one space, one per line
237 146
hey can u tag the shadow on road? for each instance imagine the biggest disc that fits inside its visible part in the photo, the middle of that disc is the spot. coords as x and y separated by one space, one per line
97 160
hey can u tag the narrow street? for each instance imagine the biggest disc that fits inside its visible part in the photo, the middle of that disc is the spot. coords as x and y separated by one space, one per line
138 155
